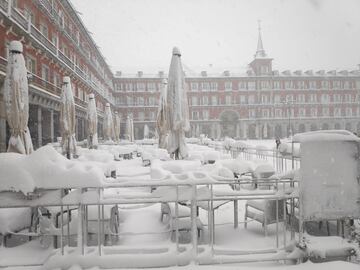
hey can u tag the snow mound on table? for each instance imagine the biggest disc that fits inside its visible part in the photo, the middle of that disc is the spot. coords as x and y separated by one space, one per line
14 219
47 169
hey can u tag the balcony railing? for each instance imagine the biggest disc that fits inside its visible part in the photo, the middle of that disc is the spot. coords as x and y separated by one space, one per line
43 84
19 18
66 60
23 23
42 39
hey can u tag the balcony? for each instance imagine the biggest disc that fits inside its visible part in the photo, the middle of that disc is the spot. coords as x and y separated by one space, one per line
66 60
42 39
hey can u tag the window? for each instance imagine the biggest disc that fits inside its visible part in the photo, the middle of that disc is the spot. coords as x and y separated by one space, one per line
302 112
336 84
57 80
265 113
337 112
300 98
151 87
348 98
312 85
214 100
44 30
289 98
195 115
129 100
348 112
194 86
251 99
29 15
325 111
205 114
205 86
140 101
324 85
265 99
213 86
242 99
301 84
337 98
325 98
128 87
228 86
277 99
152 101
194 100
227 99
205 100
252 113
45 72
251 85
242 85
141 116
265 85
278 113
276 84
140 87
31 64
346 85
312 98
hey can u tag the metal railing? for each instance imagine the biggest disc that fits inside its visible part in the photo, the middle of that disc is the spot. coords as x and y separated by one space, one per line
186 193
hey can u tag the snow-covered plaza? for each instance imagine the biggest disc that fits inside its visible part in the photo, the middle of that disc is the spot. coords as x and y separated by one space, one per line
104 171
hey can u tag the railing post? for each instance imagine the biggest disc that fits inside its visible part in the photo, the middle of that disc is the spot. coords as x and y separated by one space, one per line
9 8
194 233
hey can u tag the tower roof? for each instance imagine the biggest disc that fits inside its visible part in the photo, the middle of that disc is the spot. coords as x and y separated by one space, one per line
260 52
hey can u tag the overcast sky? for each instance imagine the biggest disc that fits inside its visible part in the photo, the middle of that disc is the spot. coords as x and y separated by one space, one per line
217 35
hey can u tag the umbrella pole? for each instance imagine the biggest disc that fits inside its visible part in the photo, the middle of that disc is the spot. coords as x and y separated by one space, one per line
68 149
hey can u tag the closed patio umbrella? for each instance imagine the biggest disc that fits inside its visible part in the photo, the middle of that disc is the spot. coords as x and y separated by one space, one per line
177 108
67 119
117 123
92 122
16 97
162 126
146 132
128 128
132 136
108 124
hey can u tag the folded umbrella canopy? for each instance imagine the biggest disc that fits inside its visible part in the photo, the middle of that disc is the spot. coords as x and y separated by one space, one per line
67 118
162 125
108 124
16 96
177 108
132 136
92 122
146 132
117 126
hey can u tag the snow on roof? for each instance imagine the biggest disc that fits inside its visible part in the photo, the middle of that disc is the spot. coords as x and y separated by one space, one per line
45 169
326 135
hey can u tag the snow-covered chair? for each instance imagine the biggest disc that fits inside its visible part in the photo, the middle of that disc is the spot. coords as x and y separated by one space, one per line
264 211
183 219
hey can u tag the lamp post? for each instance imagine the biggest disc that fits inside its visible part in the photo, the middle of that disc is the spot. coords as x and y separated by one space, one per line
288 104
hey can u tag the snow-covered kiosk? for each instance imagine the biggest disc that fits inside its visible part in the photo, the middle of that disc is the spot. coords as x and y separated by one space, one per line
329 186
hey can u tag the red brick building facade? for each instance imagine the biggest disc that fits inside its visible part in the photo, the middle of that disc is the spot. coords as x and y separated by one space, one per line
262 103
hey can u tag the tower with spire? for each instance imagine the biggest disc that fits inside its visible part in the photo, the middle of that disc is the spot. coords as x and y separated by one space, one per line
262 64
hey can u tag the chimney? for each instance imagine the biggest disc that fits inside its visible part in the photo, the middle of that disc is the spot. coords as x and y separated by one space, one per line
140 74
309 72
118 74
161 74
226 73
298 72
203 74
